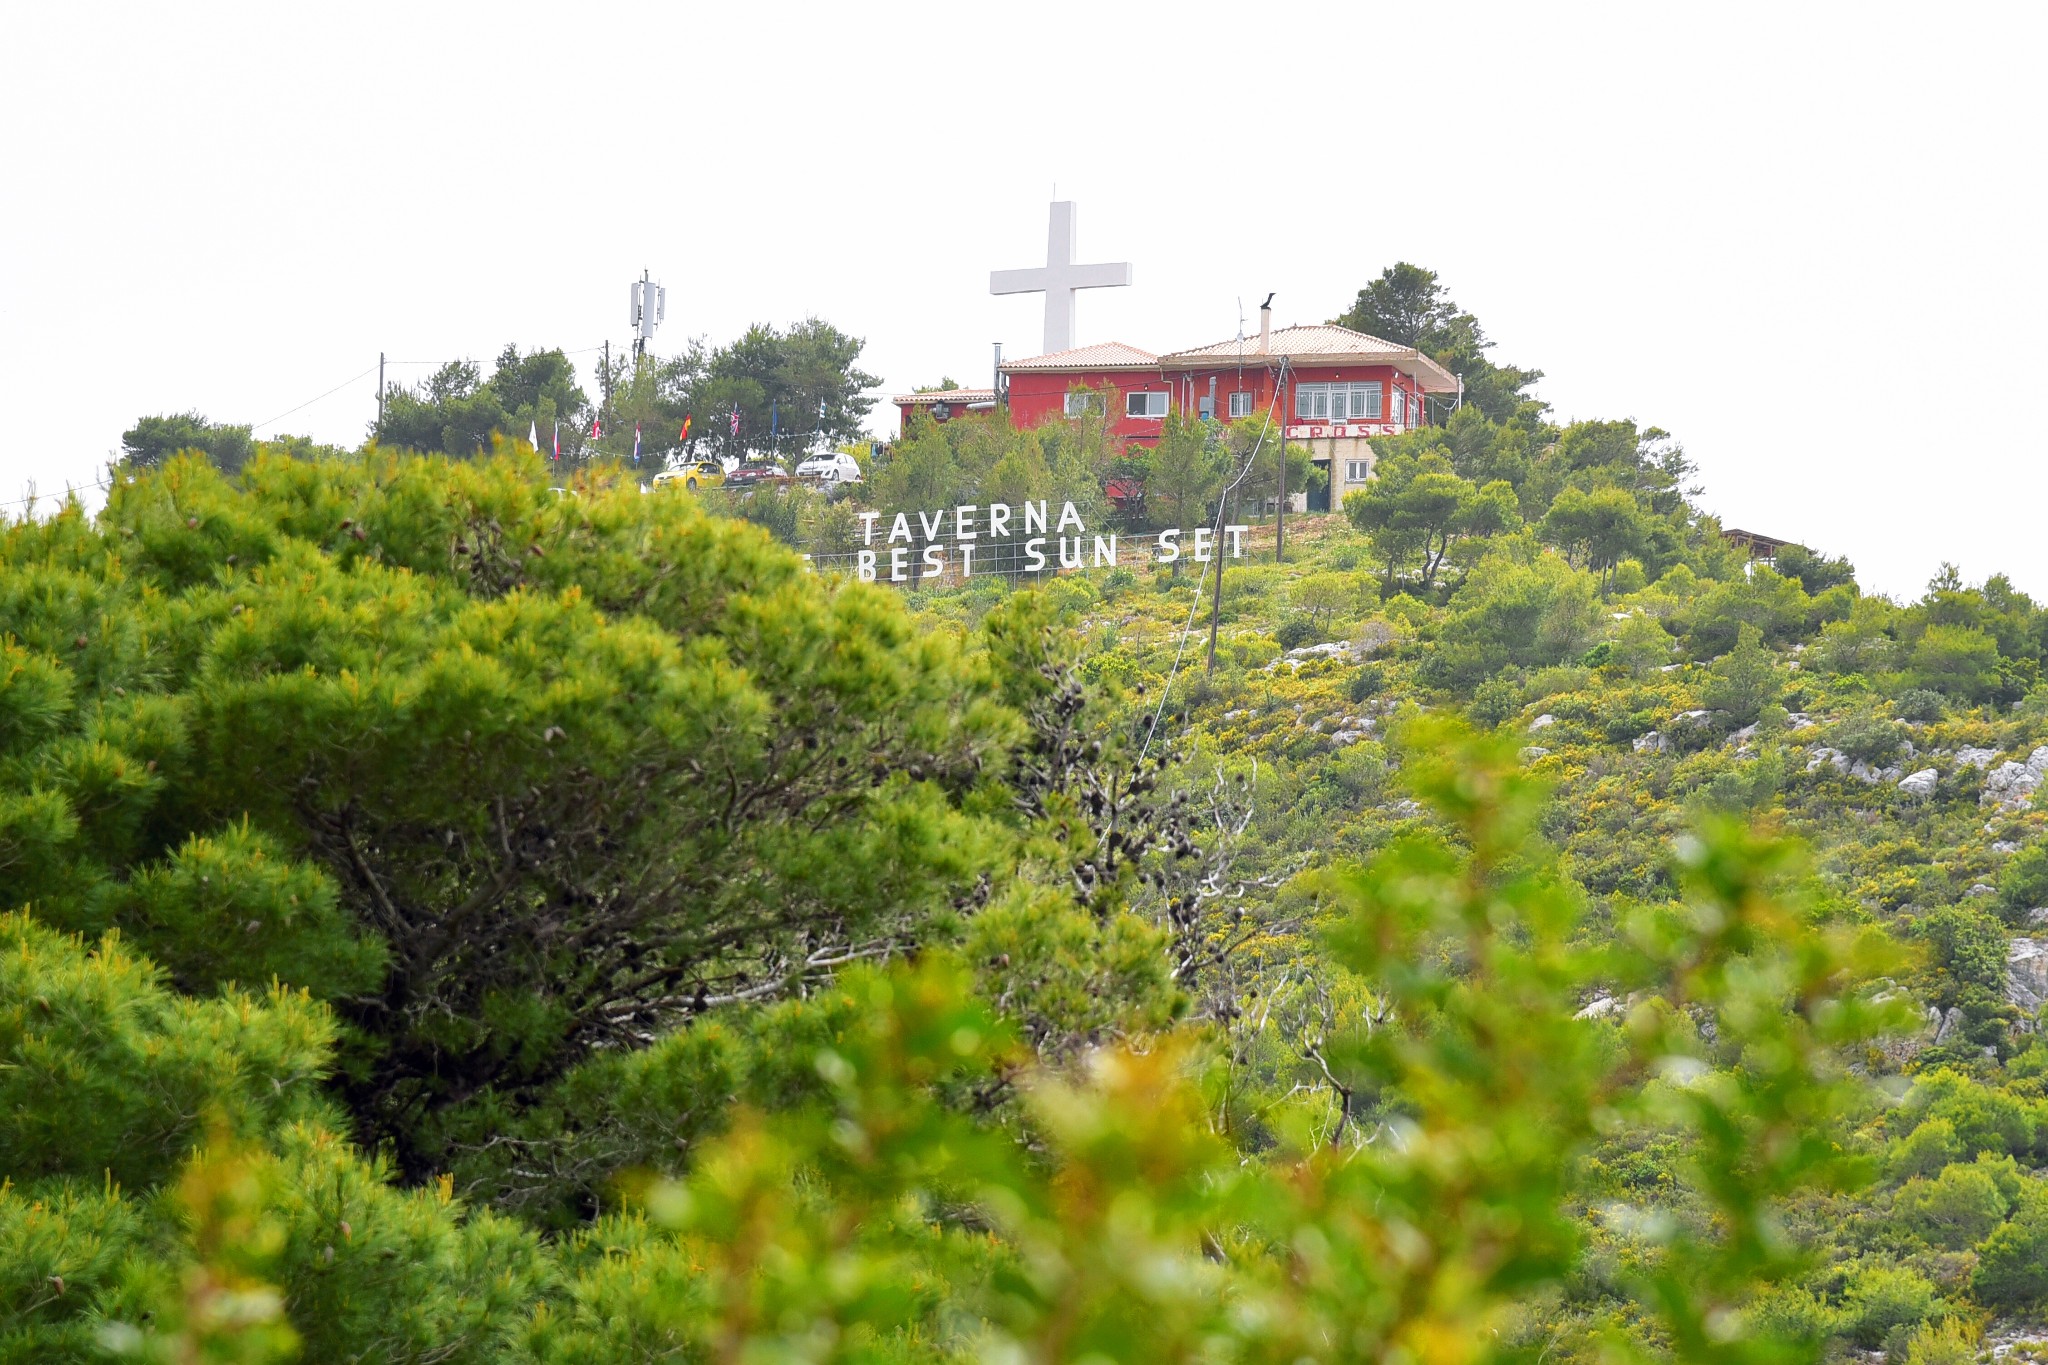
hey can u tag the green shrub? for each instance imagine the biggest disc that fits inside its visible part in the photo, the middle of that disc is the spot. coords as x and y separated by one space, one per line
1297 631
1496 701
1921 705
2012 1263
2023 881
1926 1150
1879 1298
1956 1209
1367 681
1867 738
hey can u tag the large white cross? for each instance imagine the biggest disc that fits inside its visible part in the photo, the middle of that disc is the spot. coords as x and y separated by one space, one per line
1059 278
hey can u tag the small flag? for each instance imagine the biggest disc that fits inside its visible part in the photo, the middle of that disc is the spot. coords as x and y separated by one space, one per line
596 429
735 419
558 440
636 443
821 412
533 434
686 428
774 419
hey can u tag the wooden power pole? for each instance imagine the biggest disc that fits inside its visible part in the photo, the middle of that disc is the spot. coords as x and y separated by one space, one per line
380 395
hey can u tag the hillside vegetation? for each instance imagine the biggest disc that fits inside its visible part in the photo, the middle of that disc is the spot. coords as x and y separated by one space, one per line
448 921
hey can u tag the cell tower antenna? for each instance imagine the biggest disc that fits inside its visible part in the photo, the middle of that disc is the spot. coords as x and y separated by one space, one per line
650 309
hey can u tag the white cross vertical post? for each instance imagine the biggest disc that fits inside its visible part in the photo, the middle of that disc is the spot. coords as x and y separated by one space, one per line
1059 279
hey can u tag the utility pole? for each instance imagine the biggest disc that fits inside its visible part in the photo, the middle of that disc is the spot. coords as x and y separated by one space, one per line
1216 598
380 395
1280 507
605 382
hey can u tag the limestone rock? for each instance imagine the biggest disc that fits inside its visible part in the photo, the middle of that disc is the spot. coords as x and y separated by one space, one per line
1821 753
2010 785
1532 752
2007 846
1601 1007
1543 722
1651 743
1981 889
1328 650
2026 976
1919 784
1951 1024
1975 758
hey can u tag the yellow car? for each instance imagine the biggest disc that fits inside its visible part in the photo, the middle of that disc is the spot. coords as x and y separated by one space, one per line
693 474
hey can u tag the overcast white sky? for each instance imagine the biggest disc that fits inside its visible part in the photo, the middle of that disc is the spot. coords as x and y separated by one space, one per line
1806 239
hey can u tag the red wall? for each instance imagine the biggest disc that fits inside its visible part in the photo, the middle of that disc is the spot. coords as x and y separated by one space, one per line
1039 396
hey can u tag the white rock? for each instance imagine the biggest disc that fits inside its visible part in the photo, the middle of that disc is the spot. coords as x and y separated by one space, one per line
1823 754
1950 1022
1975 758
1981 889
1670 668
1652 743
2037 762
1920 783
1543 722
1601 1007
2006 846
1799 720
2026 975
1328 650
1533 752
1341 738
2010 785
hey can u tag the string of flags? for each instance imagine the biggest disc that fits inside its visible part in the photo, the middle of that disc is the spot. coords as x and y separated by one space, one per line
682 435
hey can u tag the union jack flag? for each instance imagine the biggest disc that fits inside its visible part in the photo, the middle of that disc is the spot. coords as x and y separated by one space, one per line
735 419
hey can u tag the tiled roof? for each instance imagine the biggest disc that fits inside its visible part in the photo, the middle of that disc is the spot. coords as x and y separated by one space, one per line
930 396
1104 355
1320 342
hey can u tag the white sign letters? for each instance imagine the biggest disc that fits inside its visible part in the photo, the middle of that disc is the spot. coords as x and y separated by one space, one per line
891 545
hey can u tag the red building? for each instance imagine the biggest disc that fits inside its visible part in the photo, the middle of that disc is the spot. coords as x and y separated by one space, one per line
1331 388
943 405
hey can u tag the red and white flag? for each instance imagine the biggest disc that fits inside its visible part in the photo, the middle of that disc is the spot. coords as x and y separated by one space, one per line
636 443
686 428
558 440
735 419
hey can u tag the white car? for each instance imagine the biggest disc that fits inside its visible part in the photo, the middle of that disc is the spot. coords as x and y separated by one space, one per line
830 470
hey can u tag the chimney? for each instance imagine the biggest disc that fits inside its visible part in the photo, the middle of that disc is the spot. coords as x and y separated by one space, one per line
1266 325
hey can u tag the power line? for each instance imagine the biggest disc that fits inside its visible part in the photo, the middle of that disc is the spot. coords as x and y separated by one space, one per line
311 401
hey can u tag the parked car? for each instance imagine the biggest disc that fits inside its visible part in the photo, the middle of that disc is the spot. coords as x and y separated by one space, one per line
830 470
761 474
693 474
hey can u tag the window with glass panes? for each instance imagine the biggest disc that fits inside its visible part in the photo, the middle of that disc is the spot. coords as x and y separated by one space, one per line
1240 404
1357 471
1144 405
1337 402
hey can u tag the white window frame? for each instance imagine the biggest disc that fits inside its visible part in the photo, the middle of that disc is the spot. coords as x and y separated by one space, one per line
1357 471
1366 401
1241 403
1083 401
1153 398
1310 397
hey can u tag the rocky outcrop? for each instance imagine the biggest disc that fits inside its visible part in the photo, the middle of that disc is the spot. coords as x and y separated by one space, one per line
2026 977
1848 767
2011 785
1920 784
